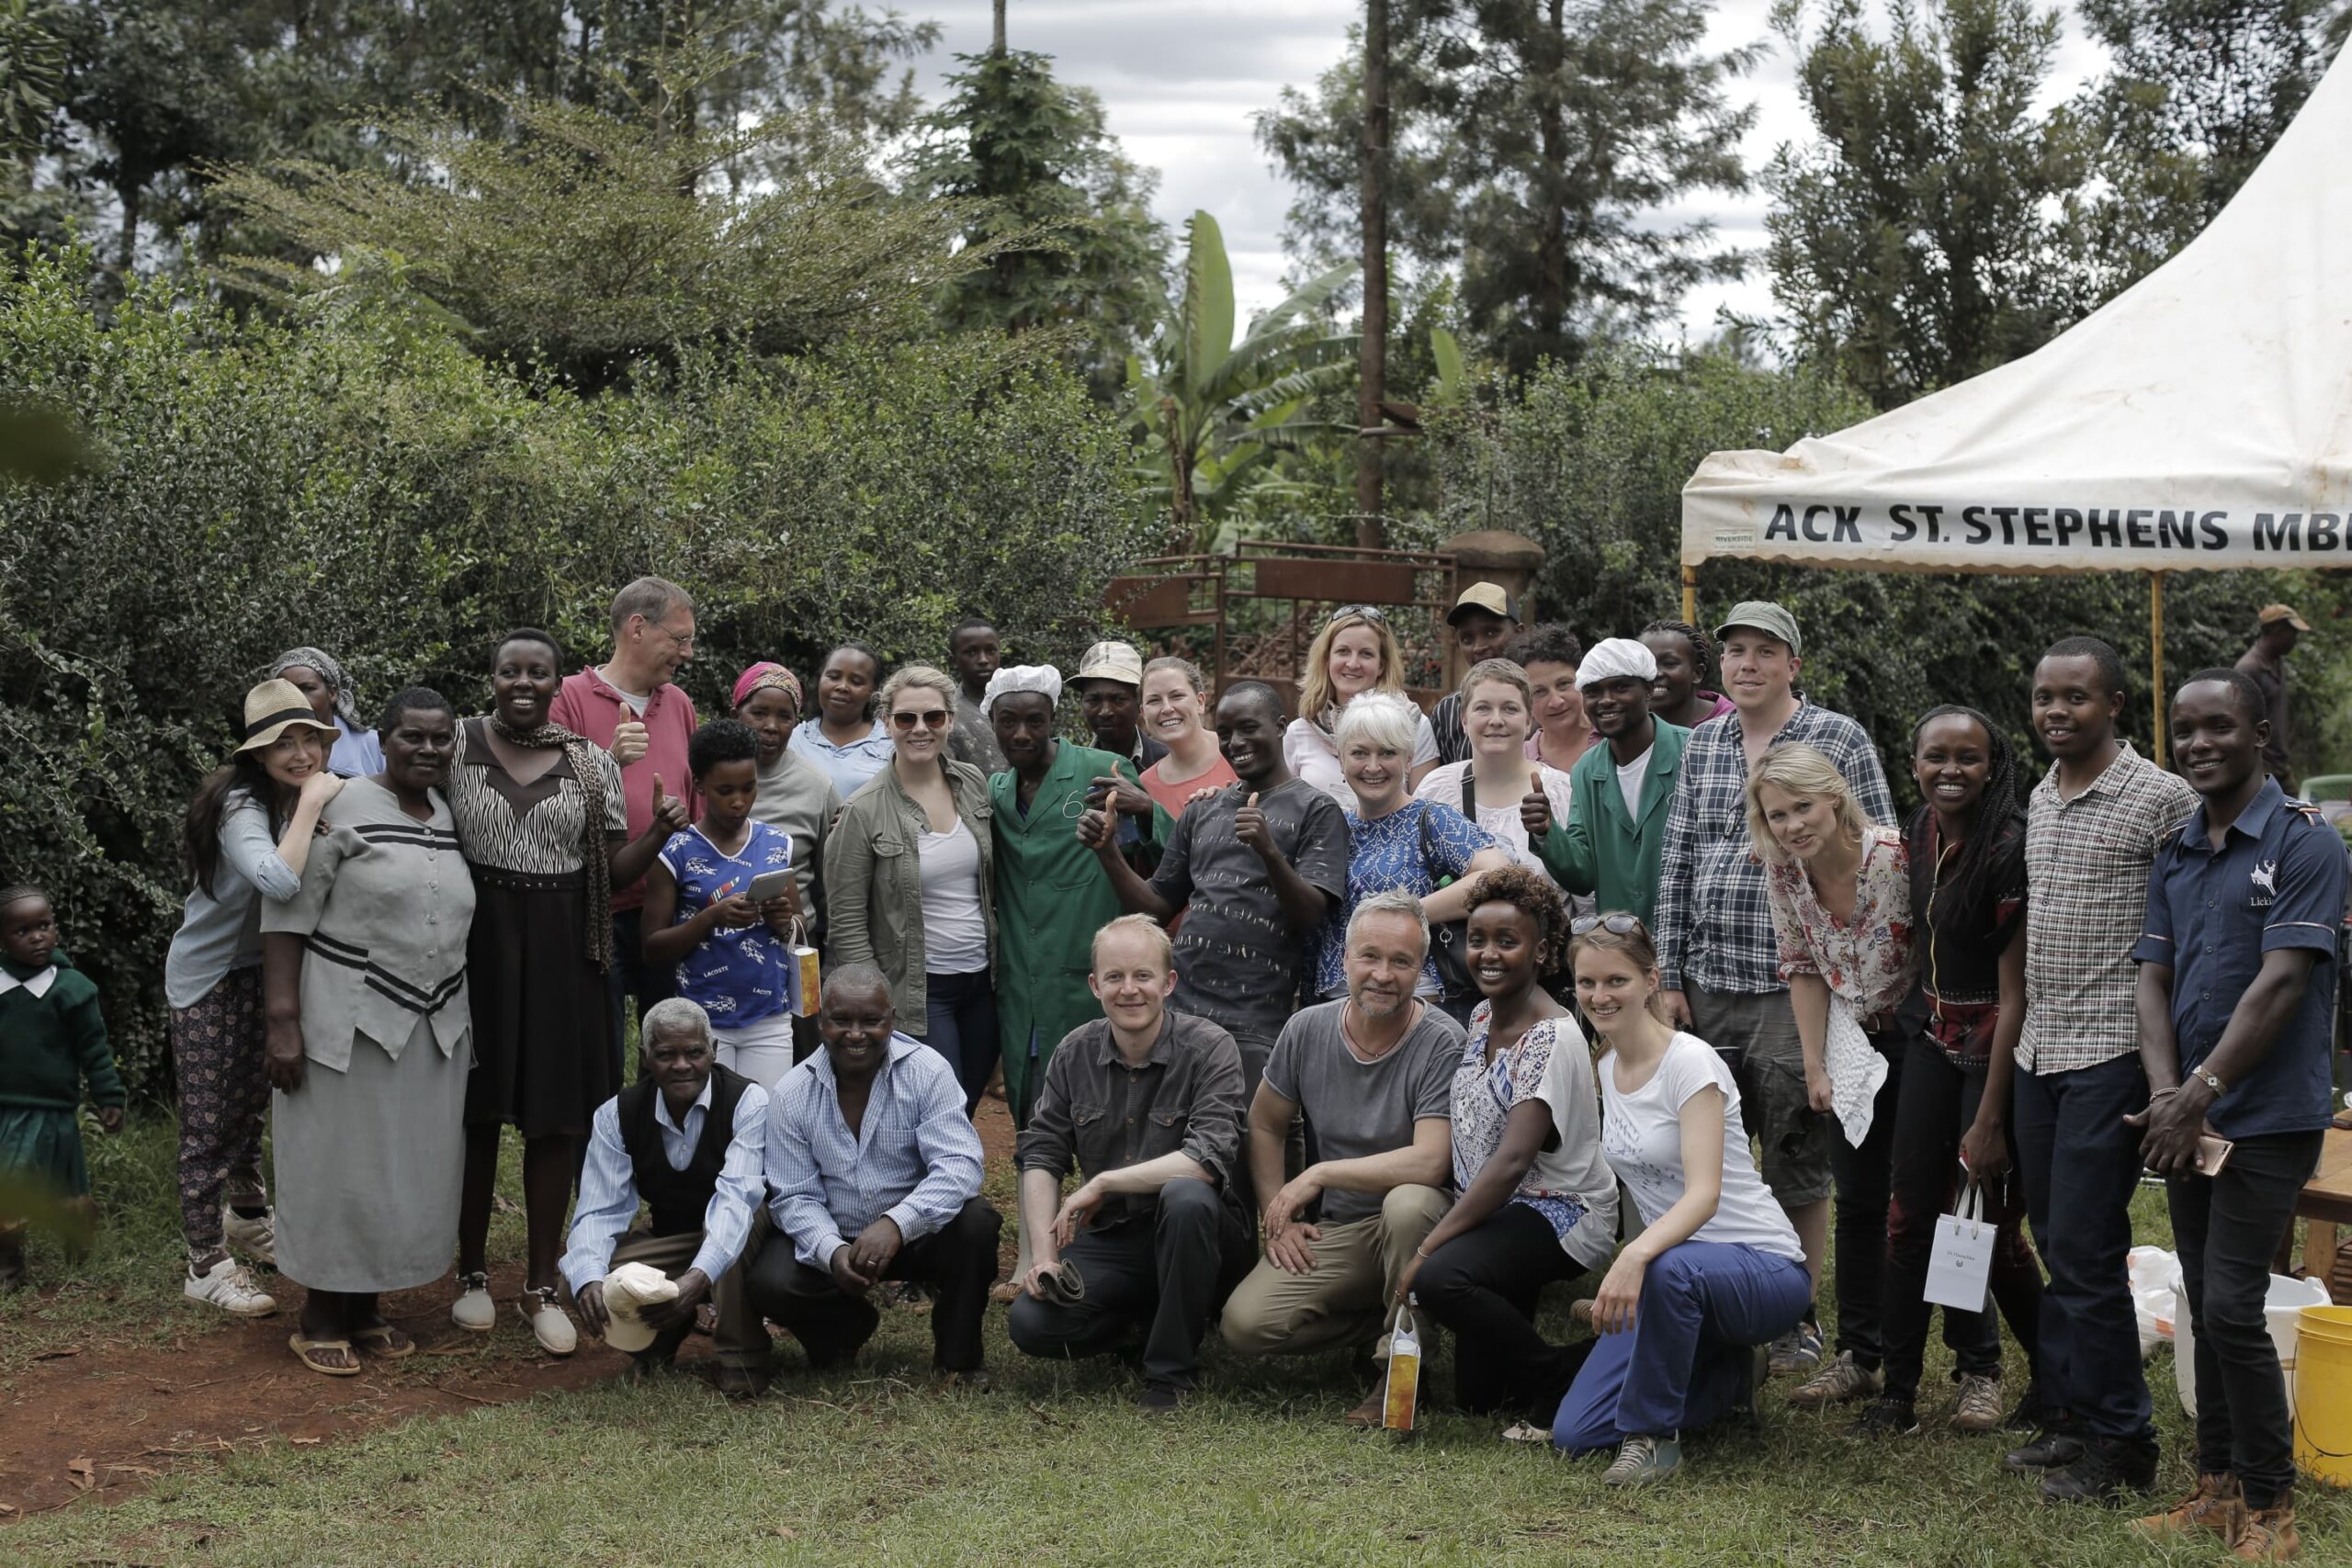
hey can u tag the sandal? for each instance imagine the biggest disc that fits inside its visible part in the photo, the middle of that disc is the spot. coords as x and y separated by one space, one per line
305 1350
383 1339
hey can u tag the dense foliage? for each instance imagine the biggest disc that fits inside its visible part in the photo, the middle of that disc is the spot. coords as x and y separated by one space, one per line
365 484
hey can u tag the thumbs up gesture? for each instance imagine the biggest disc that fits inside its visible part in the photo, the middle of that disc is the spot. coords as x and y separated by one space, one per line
1249 827
630 741
668 811
1535 812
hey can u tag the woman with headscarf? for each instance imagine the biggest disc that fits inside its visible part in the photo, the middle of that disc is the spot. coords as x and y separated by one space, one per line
538 814
315 674
795 796
247 836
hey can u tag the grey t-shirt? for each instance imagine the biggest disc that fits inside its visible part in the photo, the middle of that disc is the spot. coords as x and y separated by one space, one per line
1359 1108
1238 955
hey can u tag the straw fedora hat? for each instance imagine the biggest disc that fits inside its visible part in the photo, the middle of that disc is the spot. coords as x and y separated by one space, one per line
274 707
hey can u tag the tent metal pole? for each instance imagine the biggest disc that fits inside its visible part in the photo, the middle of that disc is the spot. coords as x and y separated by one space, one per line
1691 596
2157 662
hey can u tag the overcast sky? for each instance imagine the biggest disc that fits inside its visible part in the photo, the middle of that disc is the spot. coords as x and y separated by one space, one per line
1180 79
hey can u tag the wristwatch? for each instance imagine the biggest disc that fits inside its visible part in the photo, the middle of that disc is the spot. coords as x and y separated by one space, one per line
2206 1077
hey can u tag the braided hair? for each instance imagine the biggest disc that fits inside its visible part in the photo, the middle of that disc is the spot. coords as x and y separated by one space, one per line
1996 807
1703 652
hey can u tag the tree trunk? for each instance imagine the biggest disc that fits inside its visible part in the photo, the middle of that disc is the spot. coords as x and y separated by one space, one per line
997 45
126 251
1372 361
1551 233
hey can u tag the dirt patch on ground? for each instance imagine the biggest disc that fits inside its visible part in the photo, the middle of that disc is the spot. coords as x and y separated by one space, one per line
101 1421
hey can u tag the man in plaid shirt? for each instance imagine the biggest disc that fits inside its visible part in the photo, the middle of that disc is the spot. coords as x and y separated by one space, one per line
1716 953
2093 826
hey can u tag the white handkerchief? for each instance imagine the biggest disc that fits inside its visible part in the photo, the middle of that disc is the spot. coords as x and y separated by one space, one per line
1855 1070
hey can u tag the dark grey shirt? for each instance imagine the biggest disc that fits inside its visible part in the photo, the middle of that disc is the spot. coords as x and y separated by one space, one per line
1238 955
972 738
1358 1109
1106 1115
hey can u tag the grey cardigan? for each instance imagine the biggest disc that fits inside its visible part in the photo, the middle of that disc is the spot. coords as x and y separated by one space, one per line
874 880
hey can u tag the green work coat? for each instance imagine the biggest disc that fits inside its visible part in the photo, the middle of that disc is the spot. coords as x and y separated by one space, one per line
1603 851
1051 898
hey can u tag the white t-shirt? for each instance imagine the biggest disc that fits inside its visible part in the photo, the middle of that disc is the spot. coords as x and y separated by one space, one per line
955 933
1641 1132
1630 779
1500 817
1312 755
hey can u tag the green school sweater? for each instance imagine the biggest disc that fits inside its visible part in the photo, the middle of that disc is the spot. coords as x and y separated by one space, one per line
49 1044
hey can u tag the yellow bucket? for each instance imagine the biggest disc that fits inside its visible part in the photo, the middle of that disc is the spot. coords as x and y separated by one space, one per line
2324 1394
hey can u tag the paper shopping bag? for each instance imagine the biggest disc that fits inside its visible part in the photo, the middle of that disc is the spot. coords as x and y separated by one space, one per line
801 978
1403 1395
1960 1269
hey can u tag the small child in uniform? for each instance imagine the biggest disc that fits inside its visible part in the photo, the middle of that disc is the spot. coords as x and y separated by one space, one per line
53 1040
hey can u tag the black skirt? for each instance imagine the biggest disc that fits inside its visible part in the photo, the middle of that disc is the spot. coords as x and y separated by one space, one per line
542 1017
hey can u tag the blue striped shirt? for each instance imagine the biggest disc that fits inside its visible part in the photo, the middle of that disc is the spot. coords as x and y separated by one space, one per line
608 1185
915 1157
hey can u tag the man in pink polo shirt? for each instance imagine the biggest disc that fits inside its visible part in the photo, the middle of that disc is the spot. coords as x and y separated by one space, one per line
628 706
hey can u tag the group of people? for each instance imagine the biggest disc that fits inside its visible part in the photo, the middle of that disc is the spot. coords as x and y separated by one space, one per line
1338 1020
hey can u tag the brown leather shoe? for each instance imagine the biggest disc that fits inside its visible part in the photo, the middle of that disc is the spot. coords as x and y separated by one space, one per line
739 1381
1374 1406
2216 1505
2268 1535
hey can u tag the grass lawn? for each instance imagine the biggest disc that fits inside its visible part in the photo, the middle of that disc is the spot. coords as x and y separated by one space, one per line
1050 1466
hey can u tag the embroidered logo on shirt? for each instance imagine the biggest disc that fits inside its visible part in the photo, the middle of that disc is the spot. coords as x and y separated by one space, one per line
2262 879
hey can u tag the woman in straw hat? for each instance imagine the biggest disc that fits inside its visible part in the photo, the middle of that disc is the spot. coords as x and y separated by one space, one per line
246 838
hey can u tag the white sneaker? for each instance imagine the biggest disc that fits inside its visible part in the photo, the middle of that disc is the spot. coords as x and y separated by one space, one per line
226 1285
473 1310
554 1330
256 1238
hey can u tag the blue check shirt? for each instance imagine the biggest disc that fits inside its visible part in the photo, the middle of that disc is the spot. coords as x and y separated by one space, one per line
2276 880
1714 924
915 1157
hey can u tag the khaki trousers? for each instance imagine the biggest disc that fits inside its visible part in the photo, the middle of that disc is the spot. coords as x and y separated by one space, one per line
739 1340
1349 1297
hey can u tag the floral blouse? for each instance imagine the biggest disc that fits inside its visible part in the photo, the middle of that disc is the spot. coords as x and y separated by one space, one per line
1866 960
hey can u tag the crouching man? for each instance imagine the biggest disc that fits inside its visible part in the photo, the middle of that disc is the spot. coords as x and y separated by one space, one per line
1147 1102
873 1174
689 1140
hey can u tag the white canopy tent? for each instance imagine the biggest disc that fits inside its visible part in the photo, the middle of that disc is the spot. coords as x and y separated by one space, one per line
2200 420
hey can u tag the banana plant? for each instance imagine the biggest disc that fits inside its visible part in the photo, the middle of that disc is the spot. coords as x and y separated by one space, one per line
1211 411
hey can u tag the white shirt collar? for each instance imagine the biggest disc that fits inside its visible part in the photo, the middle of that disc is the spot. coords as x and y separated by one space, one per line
702 1102
39 985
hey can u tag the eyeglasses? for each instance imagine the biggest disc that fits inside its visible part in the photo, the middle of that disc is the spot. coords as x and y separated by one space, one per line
1360 612
685 644
934 718
1615 925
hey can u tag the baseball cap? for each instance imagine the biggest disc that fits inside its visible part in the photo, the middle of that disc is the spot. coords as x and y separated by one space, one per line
2273 614
1763 615
1484 596
1110 661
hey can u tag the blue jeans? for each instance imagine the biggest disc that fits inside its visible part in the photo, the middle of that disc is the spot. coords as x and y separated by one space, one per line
2081 1164
631 976
960 1025
1686 1361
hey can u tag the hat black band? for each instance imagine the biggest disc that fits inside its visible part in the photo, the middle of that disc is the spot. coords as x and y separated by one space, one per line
284 716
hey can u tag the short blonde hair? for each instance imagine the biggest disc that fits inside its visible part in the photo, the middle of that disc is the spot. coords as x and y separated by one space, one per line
1140 925
1314 681
1169 663
1500 671
1384 718
1797 769
922 675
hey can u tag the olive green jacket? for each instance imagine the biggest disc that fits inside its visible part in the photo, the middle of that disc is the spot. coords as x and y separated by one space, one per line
874 880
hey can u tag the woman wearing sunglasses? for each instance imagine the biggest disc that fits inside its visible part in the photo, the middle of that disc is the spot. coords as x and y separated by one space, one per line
1715 1272
910 882
1356 652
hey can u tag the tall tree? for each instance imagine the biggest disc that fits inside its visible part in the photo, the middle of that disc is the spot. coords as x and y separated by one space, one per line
1372 204
1533 147
1913 243
1066 213
2194 94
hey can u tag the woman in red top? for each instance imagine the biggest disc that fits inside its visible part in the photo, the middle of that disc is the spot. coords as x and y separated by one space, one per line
1175 714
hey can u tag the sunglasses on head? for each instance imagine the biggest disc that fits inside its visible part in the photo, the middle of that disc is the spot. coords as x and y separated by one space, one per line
1615 925
934 718
1360 612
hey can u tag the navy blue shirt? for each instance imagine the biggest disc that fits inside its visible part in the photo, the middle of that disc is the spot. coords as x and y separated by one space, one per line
2276 880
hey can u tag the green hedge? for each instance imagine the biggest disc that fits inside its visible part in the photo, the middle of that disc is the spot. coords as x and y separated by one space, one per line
363 483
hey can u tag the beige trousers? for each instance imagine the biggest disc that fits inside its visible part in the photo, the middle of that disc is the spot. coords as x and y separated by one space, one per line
1349 1295
739 1340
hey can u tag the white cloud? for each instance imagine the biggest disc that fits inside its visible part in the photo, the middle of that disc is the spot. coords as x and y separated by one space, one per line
1180 79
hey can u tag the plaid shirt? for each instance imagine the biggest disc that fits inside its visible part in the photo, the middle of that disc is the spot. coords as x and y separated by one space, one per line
914 1156
2086 897
1714 922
